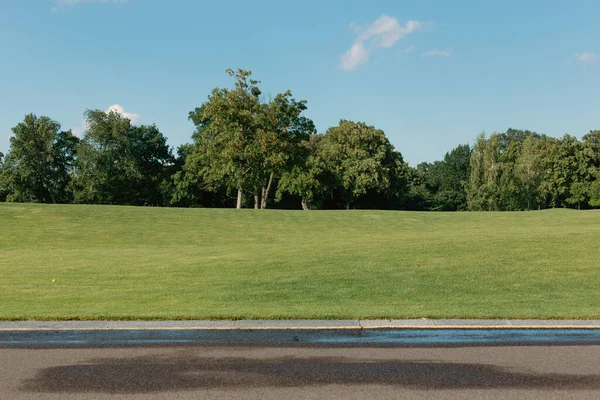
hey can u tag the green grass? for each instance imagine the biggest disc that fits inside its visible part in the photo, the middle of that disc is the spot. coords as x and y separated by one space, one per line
103 262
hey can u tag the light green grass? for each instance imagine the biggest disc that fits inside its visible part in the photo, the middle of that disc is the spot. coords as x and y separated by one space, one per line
101 262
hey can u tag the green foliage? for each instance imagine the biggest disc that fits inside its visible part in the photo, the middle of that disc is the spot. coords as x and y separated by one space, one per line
578 193
226 151
243 144
119 163
38 165
309 178
360 158
525 171
447 180
595 194
247 145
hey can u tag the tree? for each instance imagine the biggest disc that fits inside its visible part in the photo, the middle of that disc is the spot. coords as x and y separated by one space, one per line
595 194
227 152
360 158
578 192
529 174
119 163
308 178
245 145
447 180
484 182
417 197
38 165
283 137
507 171
564 164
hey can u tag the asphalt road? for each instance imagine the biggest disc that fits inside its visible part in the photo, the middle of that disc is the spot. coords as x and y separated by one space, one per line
301 372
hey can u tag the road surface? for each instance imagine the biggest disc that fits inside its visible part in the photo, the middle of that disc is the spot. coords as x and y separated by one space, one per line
261 371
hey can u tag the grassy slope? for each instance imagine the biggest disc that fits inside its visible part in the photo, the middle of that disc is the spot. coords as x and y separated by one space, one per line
91 262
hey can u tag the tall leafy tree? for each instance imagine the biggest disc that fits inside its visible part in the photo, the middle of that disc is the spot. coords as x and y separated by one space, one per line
308 178
447 180
119 163
361 159
38 165
506 172
565 166
578 193
594 193
244 144
484 182
227 152
283 133
530 175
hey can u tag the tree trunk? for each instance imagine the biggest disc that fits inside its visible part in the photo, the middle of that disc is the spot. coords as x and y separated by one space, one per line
256 201
266 192
347 205
239 199
304 205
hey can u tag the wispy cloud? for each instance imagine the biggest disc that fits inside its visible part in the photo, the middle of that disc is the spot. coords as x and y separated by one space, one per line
356 56
384 32
120 110
67 3
587 57
437 53
410 49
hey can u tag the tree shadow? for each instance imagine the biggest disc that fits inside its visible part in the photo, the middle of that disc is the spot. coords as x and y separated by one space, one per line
158 374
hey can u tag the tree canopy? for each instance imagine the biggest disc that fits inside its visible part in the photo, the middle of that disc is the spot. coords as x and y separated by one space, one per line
257 150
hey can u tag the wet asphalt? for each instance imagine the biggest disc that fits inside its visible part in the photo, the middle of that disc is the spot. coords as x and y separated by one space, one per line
345 364
297 337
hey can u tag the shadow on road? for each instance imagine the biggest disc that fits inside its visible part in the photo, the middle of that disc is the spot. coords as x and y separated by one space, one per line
157 374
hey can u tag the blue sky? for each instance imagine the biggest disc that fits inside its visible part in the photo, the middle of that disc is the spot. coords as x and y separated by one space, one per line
431 74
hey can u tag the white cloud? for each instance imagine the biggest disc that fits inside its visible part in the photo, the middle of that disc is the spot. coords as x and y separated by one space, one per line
587 57
119 109
357 55
384 32
437 53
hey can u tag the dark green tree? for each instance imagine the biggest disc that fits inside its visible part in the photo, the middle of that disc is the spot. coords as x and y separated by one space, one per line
283 135
447 180
119 163
226 150
595 193
243 144
38 165
308 178
361 160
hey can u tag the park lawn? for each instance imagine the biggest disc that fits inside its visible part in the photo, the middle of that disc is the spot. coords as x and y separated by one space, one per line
110 262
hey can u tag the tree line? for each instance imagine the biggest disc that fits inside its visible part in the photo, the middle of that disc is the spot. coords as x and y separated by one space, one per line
250 151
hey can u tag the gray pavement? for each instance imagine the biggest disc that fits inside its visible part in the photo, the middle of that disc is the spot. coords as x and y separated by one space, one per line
301 324
223 372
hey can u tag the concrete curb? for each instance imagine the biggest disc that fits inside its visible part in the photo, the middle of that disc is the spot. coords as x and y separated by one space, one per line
297 325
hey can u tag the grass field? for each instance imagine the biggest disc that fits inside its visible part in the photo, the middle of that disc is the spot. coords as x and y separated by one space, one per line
103 262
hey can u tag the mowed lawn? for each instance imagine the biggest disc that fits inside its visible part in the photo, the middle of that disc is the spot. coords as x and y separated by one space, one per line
104 262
